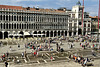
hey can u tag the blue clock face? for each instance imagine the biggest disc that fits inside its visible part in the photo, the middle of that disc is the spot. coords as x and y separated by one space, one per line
80 23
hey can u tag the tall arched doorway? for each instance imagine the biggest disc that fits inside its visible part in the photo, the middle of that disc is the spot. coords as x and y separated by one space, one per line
1 35
43 33
55 33
58 33
47 34
51 34
65 33
70 33
5 35
39 33
79 31
62 33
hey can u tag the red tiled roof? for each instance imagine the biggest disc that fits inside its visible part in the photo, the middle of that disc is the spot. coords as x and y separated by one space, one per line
11 7
31 9
96 17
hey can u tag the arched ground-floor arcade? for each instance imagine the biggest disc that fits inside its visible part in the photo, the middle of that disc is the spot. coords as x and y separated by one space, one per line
47 33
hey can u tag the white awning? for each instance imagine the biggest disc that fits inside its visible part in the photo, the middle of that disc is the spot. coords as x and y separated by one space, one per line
15 35
26 33
10 34
38 34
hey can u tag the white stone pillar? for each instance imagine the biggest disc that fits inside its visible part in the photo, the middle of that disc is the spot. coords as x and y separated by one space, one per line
86 33
68 33
2 25
72 33
16 26
76 33
49 33
45 33
5 17
60 33
2 17
28 18
21 18
53 33
13 17
21 25
8 25
64 33
3 34
56 33
16 17
8 17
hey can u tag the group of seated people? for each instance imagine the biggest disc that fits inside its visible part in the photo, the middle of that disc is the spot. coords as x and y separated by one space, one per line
81 60
4 56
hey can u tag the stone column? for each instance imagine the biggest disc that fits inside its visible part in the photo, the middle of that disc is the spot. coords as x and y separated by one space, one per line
2 25
16 26
11 26
5 17
3 34
76 33
21 25
11 18
8 25
2 17
60 33
64 33
45 34
68 33
8 17
86 33
26 18
53 33
72 33
56 33
49 33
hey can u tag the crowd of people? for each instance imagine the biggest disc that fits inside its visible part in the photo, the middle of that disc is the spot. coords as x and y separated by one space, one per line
4 57
81 60
36 47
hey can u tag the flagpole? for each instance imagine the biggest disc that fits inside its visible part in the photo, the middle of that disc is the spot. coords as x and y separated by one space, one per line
98 20
82 18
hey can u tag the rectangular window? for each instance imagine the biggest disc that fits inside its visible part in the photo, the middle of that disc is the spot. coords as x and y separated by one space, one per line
84 29
84 25
73 15
88 25
88 29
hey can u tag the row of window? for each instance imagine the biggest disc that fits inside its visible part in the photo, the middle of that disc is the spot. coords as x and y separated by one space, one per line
31 14
31 26
87 29
32 18
85 25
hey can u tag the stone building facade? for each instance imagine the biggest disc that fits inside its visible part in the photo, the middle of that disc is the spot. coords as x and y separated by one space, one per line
94 24
39 22
75 21
15 20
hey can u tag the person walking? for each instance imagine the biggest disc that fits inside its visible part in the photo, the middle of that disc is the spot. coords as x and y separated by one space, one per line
6 64
10 48
18 46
